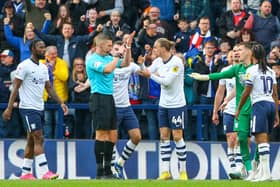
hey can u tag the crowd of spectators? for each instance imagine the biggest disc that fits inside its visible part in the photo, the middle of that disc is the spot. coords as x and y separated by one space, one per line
204 31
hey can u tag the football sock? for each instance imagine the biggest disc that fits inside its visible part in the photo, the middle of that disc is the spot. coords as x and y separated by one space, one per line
99 157
41 164
264 152
27 166
108 150
127 151
231 157
165 154
181 152
238 158
244 149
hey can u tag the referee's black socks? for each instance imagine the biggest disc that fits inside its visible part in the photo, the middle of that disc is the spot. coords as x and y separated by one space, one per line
103 154
99 157
108 151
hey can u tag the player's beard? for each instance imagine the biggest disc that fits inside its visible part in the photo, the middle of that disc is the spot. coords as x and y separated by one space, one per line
40 56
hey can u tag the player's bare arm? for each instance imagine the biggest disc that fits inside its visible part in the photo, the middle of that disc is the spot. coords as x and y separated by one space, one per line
127 56
218 100
54 96
8 112
246 93
275 98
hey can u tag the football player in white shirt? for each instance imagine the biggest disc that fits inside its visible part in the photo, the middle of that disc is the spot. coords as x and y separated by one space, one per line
227 85
261 85
126 117
30 81
168 71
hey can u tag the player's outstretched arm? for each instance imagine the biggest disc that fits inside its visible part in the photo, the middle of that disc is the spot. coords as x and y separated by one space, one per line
199 77
228 99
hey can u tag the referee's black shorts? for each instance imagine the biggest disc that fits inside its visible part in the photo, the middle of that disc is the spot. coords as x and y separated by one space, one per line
103 111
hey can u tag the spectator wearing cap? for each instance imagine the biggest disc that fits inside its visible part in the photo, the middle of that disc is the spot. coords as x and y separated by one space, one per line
7 60
8 129
6 67
6 53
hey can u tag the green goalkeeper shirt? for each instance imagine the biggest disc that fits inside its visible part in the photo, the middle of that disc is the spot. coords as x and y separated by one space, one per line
239 72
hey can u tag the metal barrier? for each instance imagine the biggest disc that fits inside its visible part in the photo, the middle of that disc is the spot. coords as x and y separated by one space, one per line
60 130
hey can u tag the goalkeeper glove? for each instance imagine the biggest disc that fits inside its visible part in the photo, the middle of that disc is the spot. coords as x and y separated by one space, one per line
200 77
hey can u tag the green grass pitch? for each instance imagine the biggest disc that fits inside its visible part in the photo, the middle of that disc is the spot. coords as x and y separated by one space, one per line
136 183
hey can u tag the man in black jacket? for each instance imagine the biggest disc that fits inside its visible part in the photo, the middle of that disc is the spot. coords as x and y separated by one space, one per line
232 21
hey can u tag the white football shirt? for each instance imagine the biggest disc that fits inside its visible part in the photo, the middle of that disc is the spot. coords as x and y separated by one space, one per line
170 75
262 83
120 83
34 77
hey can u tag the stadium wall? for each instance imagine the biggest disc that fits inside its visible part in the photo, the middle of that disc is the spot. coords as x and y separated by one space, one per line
74 159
